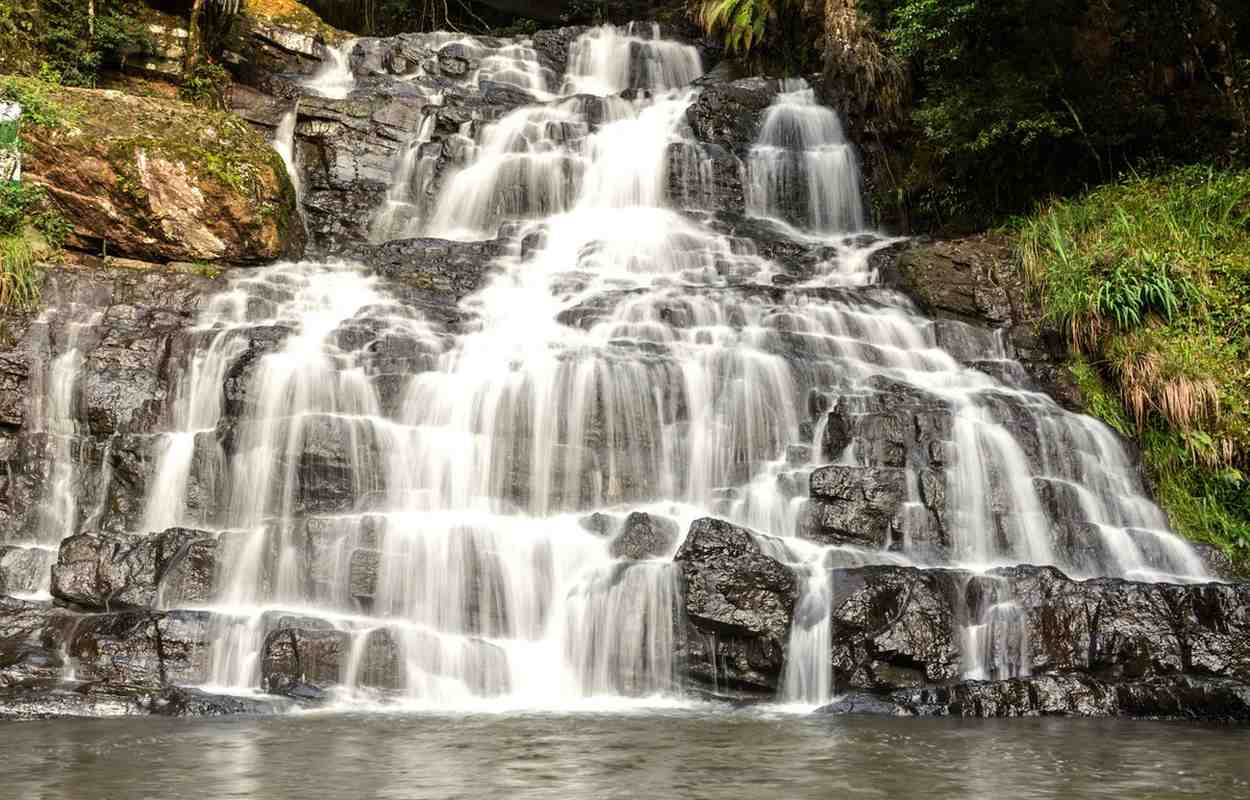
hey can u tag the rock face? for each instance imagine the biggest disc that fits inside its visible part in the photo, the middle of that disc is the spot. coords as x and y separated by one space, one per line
1176 697
906 640
162 181
738 606
978 280
124 570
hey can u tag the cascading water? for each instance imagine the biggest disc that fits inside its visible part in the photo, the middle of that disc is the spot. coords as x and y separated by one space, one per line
56 411
802 169
334 78
419 494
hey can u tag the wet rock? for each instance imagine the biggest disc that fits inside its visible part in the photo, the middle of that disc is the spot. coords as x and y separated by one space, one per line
363 578
163 181
293 656
293 659
728 114
181 701
645 536
738 602
67 703
600 524
978 280
854 505
863 703
23 569
1219 563
129 571
443 270
1175 697
136 648
893 627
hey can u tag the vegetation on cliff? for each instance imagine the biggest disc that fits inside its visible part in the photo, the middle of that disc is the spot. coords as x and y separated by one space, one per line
1013 100
1149 278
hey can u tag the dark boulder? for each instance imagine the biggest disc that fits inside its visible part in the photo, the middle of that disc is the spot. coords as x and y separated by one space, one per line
130 571
738 602
645 536
728 114
854 505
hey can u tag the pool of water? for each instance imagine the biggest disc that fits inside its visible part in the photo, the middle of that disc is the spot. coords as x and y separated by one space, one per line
656 754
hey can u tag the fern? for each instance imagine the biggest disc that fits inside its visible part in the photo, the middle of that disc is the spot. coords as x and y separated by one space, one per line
743 22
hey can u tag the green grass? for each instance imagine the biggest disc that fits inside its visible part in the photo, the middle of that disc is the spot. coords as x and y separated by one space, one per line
1149 279
19 275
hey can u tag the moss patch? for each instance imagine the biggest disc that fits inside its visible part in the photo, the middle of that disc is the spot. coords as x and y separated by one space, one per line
114 162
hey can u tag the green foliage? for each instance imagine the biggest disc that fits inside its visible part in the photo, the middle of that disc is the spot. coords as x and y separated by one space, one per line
742 22
1018 99
19 276
1150 278
16 199
776 35
1100 400
53 226
77 46
8 133
206 86
38 105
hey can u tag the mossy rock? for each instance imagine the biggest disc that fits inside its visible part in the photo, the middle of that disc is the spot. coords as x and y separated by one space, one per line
291 25
160 180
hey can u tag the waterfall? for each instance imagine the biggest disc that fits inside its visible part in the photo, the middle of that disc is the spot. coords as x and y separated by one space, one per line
56 413
334 78
284 143
422 494
402 214
802 169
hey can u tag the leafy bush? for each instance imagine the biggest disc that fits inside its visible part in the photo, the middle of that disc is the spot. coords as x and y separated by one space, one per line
206 86
743 22
77 46
1018 99
38 105
1150 279
775 34
16 199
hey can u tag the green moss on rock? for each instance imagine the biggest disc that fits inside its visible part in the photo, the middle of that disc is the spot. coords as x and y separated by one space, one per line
160 180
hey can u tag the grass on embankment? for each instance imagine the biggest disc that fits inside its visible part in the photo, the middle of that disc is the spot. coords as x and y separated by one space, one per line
1150 281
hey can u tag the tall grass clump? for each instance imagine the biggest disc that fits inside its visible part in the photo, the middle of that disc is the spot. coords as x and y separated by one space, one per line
1149 279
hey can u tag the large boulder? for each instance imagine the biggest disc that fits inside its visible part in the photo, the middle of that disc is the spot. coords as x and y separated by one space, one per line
163 181
739 603
906 628
112 571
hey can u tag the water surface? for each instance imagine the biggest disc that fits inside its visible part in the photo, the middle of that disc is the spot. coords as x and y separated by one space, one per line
680 753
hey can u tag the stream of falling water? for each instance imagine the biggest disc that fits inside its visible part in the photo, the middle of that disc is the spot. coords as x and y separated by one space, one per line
425 495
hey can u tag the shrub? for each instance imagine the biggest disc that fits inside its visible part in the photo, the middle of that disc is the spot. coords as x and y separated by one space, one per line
1018 99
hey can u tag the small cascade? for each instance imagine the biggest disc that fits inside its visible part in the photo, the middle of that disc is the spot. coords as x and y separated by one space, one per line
994 640
57 415
284 143
403 212
610 59
808 678
802 169
334 78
